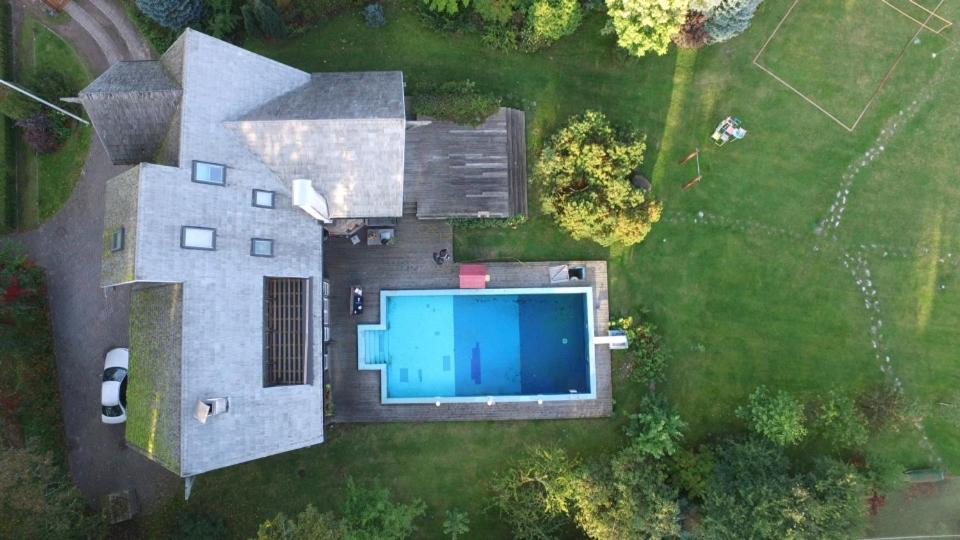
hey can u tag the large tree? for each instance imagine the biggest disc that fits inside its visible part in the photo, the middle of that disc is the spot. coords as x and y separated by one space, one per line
627 497
644 26
754 494
175 14
584 175
729 18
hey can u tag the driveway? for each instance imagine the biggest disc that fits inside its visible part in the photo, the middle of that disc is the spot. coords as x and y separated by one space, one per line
88 320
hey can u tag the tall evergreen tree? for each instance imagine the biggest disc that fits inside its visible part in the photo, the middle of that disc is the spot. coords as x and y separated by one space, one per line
176 14
261 18
730 18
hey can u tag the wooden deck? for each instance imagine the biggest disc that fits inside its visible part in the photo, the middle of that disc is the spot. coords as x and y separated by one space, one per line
408 264
452 170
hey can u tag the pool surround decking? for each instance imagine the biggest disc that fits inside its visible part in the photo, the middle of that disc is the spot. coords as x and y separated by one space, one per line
407 264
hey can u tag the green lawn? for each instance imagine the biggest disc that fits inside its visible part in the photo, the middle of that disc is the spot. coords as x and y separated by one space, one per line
46 181
857 55
745 294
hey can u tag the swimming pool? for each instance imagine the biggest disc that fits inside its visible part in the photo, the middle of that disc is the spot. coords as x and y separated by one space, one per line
482 345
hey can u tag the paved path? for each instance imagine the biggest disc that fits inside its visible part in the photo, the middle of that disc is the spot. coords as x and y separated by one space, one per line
87 321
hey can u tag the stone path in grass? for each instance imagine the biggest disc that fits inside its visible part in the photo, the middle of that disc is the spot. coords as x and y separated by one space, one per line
853 258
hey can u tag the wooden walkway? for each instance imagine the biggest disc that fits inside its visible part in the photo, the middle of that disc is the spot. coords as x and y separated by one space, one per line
408 264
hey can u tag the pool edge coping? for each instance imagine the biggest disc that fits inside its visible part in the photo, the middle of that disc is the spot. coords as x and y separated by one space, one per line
587 290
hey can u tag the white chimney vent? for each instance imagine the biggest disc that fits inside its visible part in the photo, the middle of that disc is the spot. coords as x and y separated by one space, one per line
210 407
307 199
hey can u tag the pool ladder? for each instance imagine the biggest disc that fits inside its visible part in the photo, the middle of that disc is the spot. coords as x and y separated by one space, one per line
375 347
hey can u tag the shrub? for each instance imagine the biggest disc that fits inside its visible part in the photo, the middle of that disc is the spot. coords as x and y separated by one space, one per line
778 417
693 34
368 513
17 106
456 524
645 358
224 19
373 15
262 19
550 20
655 432
502 37
175 14
193 525
306 13
446 6
693 469
496 11
584 173
489 223
44 132
885 407
644 26
730 18
840 423
455 101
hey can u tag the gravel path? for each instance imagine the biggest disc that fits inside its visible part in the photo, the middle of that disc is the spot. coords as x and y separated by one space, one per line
110 48
87 320
136 46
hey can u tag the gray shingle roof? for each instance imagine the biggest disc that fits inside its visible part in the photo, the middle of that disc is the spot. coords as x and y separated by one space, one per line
153 389
344 132
339 96
131 106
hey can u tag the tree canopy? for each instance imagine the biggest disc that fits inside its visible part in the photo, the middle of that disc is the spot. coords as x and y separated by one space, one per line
175 14
584 172
644 26
550 20
729 18
753 494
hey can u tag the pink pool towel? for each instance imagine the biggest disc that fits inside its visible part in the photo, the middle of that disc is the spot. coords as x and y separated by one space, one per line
473 276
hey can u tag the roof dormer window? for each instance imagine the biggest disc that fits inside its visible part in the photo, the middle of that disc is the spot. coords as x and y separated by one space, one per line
209 173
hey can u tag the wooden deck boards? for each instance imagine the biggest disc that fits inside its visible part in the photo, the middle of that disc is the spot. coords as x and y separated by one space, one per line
462 171
408 264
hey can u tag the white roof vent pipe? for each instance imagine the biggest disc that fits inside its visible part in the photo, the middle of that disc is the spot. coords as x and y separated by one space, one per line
307 199
206 408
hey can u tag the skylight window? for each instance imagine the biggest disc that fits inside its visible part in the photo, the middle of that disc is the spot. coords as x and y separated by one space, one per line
209 173
198 238
263 198
261 247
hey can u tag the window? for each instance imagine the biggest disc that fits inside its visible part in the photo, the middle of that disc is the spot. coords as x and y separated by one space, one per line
286 313
263 198
261 247
209 173
117 242
198 238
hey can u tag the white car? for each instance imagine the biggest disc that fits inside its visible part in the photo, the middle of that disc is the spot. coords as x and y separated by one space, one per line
113 392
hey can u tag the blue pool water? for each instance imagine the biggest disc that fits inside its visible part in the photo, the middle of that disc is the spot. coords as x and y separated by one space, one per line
457 345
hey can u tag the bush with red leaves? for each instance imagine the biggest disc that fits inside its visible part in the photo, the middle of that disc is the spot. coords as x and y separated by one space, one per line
693 34
44 132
